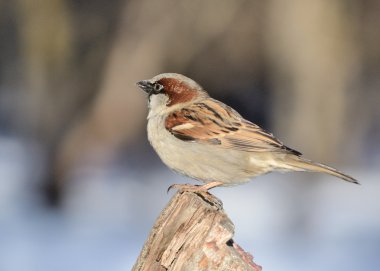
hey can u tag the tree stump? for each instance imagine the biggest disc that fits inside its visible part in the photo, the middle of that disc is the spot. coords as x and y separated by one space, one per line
193 233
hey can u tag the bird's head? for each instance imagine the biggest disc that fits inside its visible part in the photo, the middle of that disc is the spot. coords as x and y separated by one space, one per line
171 90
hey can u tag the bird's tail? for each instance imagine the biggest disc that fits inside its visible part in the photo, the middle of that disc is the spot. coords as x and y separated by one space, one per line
301 164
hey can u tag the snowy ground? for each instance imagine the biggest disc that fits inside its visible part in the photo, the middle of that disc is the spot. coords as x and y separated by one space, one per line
286 223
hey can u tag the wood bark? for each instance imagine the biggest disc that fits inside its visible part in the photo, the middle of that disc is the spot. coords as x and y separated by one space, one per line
193 233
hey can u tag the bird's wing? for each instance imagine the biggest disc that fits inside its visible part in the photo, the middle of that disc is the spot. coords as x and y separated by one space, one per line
212 122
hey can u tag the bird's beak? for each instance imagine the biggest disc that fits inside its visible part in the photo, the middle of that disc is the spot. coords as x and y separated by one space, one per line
145 85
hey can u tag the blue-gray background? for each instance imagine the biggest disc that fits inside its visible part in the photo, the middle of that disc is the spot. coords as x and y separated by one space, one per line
80 187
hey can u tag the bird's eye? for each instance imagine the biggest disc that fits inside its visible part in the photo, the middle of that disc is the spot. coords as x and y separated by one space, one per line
158 88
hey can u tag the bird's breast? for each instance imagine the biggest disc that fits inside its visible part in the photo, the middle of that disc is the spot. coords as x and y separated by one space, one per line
200 161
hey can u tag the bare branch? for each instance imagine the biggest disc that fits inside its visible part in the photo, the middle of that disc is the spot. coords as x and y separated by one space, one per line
193 233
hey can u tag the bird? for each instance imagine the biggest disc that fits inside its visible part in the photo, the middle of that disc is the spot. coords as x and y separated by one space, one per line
206 140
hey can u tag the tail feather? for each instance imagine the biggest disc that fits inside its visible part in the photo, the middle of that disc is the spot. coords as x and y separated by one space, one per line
307 165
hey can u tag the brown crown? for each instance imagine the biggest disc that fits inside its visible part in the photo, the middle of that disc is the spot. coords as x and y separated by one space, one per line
178 91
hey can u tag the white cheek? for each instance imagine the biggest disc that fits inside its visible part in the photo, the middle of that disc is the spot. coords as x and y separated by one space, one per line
157 104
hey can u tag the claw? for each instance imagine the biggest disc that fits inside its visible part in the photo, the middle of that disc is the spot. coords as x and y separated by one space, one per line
184 187
194 188
170 188
201 190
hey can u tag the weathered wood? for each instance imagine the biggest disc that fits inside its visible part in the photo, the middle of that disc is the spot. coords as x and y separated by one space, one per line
193 233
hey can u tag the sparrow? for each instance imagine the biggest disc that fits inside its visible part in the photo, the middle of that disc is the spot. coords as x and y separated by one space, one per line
205 139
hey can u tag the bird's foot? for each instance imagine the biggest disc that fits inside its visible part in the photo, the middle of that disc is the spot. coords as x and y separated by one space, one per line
201 190
194 188
184 187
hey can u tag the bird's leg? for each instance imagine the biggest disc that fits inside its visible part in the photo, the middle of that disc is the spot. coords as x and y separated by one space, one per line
195 188
210 185
201 190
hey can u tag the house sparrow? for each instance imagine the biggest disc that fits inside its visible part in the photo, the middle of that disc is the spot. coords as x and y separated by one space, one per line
209 141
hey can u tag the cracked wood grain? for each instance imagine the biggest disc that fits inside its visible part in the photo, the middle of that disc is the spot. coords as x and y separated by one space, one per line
193 233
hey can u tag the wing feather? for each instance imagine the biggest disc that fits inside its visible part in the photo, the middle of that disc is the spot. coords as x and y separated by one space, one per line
212 122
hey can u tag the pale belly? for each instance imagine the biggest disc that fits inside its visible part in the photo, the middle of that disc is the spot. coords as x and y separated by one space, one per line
204 162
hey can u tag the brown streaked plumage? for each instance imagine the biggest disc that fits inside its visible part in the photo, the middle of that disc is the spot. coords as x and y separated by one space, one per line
209 141
213 122
178 91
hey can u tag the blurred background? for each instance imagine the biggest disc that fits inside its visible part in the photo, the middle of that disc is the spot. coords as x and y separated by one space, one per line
80 187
